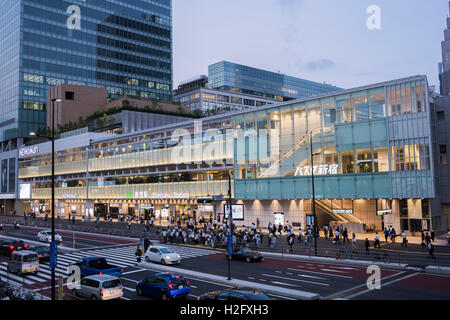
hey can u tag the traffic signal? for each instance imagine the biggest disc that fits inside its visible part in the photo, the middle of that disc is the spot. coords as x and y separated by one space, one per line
203 201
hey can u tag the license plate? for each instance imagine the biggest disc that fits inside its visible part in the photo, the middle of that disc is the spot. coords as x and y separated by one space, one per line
18 248
180 287
30 270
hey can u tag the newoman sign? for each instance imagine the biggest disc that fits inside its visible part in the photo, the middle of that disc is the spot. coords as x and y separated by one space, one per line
28 151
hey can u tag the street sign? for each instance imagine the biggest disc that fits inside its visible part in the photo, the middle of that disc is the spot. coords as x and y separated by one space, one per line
229 246
53 254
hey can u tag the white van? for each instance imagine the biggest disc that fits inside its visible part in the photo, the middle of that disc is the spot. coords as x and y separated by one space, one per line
22 262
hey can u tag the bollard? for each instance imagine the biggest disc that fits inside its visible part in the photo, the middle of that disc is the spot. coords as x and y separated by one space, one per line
326 253
337 256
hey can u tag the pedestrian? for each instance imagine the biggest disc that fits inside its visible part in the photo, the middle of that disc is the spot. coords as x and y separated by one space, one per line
427 238
377 241
138 254
69 216
431 251
423 239
336 237
129 225
433 235
386 234
291 242
299 234
147 244
73 219
257 222
367 245
325 231
393 235
330 233
354 240
345 235
405 241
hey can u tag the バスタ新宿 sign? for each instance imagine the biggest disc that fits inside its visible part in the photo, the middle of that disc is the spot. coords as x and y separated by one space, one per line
320 170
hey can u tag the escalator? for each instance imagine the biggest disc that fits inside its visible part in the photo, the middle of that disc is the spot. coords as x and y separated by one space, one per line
327 207
299 152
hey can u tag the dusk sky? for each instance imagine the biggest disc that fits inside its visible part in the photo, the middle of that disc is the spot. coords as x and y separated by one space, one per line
319 40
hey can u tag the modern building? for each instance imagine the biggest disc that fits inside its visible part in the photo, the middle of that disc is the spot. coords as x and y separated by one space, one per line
124 46
228 76
374 164
196 95
444 66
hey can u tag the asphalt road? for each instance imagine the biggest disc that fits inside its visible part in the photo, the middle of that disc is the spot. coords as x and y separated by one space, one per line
329 280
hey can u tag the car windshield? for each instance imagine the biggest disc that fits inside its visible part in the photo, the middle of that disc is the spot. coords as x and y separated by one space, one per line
112 284
42 249
243 250
30 258
165 250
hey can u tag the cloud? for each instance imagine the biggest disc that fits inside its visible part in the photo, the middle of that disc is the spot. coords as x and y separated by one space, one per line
320 64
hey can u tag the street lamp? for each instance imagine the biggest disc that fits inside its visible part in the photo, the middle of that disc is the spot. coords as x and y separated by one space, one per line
52 138
316 231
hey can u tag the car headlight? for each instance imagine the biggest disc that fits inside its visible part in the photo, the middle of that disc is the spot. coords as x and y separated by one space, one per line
179 257
167 257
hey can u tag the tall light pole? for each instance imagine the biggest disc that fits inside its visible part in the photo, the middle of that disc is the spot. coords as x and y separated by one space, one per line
313 193
230 221
52 138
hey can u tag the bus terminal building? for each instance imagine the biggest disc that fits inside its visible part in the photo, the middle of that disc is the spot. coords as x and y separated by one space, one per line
371 151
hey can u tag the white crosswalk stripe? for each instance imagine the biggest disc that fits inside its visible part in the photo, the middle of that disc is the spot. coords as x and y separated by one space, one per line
120 256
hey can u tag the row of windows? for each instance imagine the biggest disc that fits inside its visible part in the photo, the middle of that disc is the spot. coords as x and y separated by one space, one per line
128 23
133 36
132 58
132 47
134 70
31 27
32 105
71 71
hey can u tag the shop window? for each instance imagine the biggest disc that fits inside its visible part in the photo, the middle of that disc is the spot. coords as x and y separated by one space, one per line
348 161
404 225
403 206
364 161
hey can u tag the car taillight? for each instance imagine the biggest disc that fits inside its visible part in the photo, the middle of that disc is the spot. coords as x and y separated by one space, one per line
187 282
39 255
100 272
101 292
11 247
171 285
121 269
26 246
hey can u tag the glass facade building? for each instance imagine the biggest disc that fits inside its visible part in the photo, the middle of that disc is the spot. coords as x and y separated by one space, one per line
124 46
238 78
372 152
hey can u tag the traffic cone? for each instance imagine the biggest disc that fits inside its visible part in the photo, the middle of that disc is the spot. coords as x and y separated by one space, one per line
307 252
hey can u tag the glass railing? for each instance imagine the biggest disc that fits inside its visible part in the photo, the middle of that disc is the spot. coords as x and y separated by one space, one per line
174 155
153 191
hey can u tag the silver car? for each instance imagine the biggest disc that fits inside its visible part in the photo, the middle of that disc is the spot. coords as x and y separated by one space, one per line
22 262
99 287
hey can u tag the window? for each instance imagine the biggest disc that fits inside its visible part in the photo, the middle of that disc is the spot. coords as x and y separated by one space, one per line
440 115
443 152
70 95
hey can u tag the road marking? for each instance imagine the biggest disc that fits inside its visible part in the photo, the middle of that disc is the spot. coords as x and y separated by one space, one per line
323 273
135 271
382 284
345 293
333 270
251 278
312 282
129 289
286 284
265 279
289 273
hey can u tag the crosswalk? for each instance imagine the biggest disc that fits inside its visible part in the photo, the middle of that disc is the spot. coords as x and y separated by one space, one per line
119 256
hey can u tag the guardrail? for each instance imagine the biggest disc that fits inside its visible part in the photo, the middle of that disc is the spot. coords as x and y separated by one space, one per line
13 291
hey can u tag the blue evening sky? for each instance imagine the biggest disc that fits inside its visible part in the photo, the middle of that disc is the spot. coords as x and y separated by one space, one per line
319 40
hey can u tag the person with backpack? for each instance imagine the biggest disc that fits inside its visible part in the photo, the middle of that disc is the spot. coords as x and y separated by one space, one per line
386 234
325 231
431 251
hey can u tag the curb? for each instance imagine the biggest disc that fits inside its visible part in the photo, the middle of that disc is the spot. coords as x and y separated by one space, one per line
438 270
296 294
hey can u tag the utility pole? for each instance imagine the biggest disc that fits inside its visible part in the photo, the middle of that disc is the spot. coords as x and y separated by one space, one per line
230 221
313 195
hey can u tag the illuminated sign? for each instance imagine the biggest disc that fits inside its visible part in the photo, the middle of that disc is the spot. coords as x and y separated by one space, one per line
25 191
278 218
175 195
69 196
321 170
237 211
28 151
343 211
383 212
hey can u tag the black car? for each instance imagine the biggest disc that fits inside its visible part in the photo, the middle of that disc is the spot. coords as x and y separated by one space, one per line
43 253
244 254
8 246
234 294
